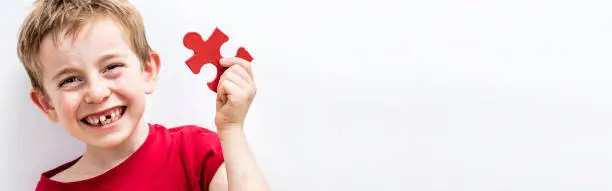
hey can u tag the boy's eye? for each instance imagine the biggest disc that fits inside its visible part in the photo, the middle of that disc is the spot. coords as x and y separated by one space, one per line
112 66
69 81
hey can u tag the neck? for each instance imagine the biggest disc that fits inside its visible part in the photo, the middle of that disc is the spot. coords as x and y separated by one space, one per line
106 158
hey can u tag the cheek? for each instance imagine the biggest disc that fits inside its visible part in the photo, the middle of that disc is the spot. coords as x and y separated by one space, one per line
130 84
132 79
67 105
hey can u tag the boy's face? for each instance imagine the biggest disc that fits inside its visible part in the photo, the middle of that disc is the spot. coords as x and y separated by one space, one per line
95 84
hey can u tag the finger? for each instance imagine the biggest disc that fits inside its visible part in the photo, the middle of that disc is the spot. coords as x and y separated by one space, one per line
221 95
230 88
235 78
240 71
228 62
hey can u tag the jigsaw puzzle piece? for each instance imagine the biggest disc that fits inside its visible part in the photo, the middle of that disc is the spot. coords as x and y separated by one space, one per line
209 52
244 54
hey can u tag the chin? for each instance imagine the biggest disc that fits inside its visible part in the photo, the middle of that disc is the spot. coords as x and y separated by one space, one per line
111 140
111 137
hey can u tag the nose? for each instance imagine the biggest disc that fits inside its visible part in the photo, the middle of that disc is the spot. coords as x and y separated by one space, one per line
97 92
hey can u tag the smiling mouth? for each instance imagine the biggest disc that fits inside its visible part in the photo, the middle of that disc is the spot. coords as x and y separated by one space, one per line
106 117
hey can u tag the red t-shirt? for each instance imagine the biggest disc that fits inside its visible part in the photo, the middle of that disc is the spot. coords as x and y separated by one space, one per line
181 158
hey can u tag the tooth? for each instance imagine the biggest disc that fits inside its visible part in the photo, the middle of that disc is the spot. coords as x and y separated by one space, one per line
118 112
95 120
103 118
113 115
90 121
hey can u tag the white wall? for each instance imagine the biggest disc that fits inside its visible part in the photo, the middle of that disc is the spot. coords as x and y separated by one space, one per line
375 95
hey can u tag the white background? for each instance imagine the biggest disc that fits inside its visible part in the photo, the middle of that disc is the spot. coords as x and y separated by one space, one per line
374 95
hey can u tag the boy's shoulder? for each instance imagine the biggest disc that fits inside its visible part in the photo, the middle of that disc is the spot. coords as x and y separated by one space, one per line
186 132
193 138
189 128
198 147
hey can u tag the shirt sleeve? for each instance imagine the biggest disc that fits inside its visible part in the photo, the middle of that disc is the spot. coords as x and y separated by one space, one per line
212 162
207 147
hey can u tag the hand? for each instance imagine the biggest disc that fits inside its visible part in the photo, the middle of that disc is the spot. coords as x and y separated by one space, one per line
235 93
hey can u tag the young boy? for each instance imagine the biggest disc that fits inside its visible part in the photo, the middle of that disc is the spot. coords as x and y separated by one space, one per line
91 68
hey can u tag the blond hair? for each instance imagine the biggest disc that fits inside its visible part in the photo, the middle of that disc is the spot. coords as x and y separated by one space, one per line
52 17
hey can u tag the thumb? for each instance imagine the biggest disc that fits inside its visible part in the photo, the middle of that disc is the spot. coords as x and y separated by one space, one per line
221 95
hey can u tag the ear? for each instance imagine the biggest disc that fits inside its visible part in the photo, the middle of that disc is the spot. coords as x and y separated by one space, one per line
44 105
151 69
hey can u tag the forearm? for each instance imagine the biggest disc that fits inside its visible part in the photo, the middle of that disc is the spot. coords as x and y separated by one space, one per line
243 172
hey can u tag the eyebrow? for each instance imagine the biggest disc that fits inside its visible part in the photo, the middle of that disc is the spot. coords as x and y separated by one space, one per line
108 56
62 72
103 58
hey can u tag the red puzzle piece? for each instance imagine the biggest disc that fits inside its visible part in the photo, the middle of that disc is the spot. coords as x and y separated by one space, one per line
209 52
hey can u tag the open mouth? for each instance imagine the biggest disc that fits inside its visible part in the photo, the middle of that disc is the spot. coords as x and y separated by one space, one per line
105 117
